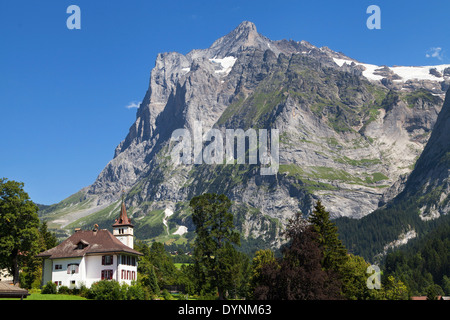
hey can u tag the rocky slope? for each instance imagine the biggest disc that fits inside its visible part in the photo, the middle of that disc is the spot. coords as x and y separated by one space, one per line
418 209
430 178
350 134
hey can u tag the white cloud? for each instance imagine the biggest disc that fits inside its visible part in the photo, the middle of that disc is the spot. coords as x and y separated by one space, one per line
133 104
435 52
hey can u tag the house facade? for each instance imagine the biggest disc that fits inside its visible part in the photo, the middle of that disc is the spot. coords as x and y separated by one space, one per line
88 256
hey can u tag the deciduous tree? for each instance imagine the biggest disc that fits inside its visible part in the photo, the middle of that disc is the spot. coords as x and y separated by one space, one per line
19 225
299 274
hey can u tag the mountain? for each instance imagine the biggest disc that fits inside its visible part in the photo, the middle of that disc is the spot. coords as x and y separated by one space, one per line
431 175
349 134
421 207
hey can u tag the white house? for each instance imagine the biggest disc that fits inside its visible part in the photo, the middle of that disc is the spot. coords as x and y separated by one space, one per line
88 256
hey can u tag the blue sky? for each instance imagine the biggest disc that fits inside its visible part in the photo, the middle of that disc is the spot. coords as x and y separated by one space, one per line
64 93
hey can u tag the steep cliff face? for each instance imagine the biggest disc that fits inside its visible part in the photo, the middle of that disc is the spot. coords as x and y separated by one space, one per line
348 132
418 201
430 178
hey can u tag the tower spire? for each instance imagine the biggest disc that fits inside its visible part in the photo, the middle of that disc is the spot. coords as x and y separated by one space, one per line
123 217
122 227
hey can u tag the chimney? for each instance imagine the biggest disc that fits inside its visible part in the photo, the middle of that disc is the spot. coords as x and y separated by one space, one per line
95 228
77 229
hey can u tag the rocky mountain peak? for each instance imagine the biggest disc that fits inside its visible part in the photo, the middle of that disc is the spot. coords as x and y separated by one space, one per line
245 27
343 137
242 37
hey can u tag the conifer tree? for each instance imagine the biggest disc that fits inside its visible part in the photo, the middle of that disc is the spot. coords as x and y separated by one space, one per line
333 251
215 258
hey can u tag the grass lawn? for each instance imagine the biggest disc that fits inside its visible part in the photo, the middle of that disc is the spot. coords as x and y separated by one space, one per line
179 264
40 296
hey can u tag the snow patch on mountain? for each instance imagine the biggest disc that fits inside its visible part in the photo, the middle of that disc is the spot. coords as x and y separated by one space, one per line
181 230
226 64
420 73
432 73
167 213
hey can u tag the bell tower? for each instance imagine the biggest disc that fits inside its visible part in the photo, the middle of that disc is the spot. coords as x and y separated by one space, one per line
123 229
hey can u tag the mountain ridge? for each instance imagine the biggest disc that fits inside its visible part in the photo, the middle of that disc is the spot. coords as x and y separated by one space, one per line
337 132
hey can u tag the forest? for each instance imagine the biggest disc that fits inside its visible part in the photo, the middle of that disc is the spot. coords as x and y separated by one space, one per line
313 264
424 263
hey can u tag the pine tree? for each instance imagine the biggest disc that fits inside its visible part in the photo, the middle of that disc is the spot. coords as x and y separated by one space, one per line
333 251
215 258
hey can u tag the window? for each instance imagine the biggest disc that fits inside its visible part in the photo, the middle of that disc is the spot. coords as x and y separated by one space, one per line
72 268
128 260
58 283
107 274
128 275
107 260
82 244
58 266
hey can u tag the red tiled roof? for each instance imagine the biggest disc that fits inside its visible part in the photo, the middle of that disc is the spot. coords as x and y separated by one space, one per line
93 242
123 218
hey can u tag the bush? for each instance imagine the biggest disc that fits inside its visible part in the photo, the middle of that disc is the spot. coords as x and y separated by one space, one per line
49 288
82 291
64 290
112 290
106 290
134 292
166 295
182 296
